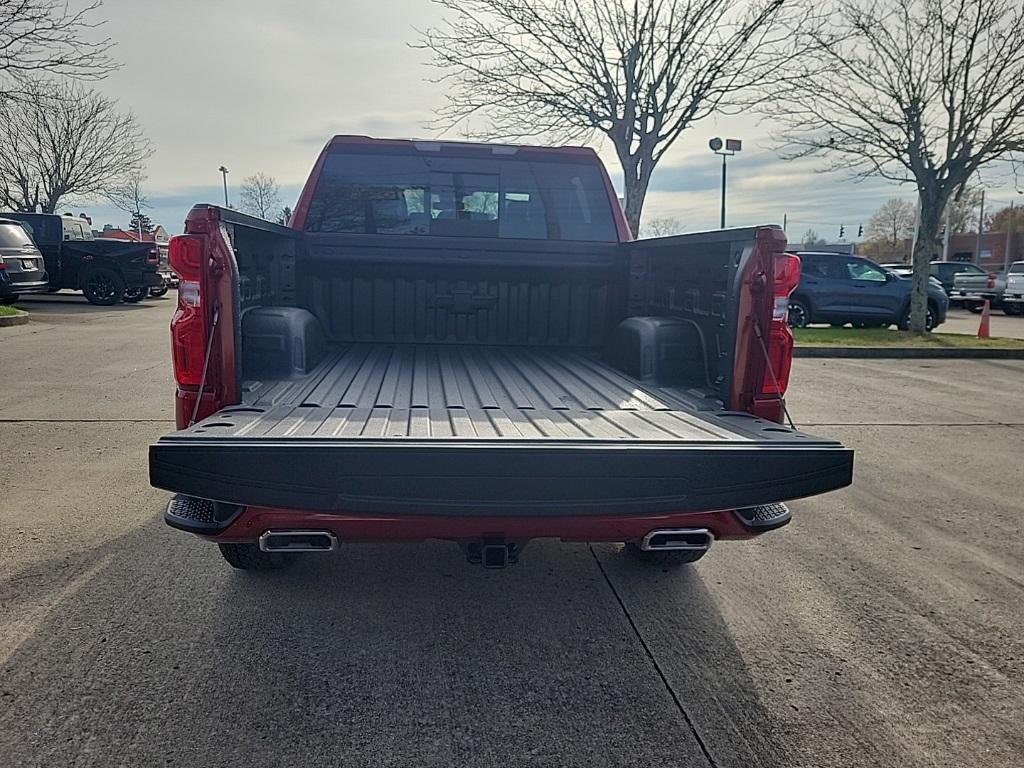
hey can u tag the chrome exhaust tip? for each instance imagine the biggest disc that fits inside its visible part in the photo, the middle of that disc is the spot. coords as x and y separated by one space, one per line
662 539
298 541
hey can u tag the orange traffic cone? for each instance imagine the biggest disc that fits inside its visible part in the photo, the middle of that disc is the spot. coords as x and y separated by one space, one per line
983 329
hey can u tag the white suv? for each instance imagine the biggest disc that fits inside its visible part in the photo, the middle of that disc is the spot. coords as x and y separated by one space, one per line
1013 296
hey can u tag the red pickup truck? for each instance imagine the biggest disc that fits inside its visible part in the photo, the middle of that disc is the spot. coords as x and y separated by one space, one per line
463 341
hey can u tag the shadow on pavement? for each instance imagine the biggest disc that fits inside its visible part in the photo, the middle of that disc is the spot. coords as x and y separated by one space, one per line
381 655
75 303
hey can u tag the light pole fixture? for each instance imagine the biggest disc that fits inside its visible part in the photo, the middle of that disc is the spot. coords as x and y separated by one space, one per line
224 174
725 149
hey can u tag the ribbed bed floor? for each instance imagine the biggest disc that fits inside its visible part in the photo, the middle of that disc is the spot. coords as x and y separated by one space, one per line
444 391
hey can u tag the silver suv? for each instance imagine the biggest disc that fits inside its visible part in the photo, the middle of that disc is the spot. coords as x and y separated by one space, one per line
21 263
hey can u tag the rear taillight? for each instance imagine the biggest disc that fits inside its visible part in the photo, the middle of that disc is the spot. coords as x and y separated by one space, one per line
153 257
780 337
991 280
188 325
3 264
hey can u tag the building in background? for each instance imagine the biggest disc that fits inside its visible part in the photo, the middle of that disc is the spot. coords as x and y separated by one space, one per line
158 235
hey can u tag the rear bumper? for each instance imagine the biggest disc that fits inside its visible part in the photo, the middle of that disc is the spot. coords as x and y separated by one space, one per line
10 287
247 524
992 296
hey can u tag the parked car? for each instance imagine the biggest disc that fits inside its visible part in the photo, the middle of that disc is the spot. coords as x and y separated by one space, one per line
158 256
838 289
946 271
906 272
1013 296
101 269
21 264
973 288
462 341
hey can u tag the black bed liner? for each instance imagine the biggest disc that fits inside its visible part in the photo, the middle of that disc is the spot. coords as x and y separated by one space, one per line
422 429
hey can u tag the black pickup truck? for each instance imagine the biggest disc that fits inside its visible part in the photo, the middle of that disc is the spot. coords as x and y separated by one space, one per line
463 342
101 269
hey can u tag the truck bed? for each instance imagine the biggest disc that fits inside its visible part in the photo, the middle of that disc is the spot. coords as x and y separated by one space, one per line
442 391
478 430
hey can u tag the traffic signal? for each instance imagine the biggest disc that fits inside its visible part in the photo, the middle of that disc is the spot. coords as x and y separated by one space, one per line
860 231
842 231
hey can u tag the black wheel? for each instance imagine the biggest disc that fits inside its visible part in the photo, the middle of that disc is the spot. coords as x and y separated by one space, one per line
10 299
249 557
135 295
974 306
102 286
1013 310
929 319
799 313
669 557
156 293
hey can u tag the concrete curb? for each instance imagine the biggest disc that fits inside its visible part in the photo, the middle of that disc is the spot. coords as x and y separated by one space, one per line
919 353
18 318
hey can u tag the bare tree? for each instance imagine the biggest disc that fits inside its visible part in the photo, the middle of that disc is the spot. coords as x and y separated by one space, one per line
810 239
64 140
662 226
131 198
923 92
639 73
1006 217
893 222
963 211
260 195
49 37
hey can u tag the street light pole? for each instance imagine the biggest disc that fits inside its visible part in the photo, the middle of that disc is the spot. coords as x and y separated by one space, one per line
722 225
732 146
224 174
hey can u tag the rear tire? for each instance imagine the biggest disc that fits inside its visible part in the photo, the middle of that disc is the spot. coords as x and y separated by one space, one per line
1014 310
135 295
974 306
9 299
156 293
249 557
102 287
799 313
929 322
667 557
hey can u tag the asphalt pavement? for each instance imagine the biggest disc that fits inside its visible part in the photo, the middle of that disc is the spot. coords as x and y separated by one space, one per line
961 321
883 627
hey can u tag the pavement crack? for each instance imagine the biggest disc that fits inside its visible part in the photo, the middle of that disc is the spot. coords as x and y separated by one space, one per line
654 662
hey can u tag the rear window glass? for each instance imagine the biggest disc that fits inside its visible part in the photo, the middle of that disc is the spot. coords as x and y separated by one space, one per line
13 236
1017 269
965 269
461 197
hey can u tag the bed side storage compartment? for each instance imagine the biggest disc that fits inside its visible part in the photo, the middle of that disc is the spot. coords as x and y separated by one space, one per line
280 341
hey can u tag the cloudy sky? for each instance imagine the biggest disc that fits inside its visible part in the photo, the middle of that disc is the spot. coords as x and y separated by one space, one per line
258 85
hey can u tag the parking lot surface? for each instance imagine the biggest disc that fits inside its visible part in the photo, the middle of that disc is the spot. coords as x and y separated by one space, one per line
881 628
961 321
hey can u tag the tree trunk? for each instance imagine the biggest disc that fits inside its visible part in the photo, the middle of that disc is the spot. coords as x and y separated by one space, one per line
924 248
637 166
636 191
